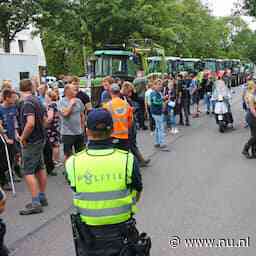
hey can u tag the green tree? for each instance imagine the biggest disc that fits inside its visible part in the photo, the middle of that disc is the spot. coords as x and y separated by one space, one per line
72 30
109 21
250 7
15 16
60 28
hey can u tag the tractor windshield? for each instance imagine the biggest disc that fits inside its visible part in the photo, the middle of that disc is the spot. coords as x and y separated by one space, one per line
210 65
188 66
154 66
220 65
173 66
115 65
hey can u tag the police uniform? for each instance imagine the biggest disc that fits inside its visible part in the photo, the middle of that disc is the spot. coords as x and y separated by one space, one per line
105 181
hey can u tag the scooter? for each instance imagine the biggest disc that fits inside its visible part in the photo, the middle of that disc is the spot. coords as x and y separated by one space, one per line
223 114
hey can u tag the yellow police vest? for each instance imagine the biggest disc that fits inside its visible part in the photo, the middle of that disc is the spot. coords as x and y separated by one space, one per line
101 179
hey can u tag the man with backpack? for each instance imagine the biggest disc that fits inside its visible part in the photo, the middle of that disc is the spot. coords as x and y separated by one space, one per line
31 116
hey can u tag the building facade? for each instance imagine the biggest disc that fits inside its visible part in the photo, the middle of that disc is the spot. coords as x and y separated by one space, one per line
25 60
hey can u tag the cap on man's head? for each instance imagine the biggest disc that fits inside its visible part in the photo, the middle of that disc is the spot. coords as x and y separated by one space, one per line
115 88
99 120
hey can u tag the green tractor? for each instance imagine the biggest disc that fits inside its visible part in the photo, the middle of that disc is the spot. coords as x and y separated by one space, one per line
125 63
118 63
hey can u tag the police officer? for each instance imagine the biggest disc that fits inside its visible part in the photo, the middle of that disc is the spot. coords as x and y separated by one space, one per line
107 184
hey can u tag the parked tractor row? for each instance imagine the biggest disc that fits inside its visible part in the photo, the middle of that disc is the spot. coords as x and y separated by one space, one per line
142 58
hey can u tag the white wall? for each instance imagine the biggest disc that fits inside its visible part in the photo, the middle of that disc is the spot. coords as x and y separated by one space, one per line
32 45
12 64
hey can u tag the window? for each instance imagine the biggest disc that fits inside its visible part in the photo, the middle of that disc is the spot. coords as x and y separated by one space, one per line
115 65
132 67
106 66
173 66
211 65
21 45
155 66
1 43
189 66
118 66
24 75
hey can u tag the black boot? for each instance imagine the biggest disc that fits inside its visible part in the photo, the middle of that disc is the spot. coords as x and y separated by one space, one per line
144 163
253 152
245 151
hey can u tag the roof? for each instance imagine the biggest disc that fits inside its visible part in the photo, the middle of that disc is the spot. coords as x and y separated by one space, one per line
209 59
157 58
17 54
172 58
190 59
113 52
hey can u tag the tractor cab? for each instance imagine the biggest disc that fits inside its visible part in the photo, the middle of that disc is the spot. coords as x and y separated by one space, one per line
155 65
173 65
124 62
118 63
189 65
209 67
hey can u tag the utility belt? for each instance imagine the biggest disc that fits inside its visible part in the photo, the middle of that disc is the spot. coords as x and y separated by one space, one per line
111 240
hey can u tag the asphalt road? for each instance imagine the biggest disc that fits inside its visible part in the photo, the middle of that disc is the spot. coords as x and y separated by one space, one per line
203 188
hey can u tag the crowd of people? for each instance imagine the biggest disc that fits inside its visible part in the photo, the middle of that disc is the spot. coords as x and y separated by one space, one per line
165 103
37 119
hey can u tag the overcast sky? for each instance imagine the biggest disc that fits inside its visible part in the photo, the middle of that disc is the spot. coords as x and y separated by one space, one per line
224 8
221 7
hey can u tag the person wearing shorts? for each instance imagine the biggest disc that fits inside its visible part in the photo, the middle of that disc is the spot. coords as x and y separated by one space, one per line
33 158
31 118
72 143
72 121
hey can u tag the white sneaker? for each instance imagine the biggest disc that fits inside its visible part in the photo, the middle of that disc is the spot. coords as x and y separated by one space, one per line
173 131
176 131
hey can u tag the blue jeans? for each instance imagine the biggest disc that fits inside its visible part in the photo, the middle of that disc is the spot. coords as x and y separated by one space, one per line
172 117
159 131
207 100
